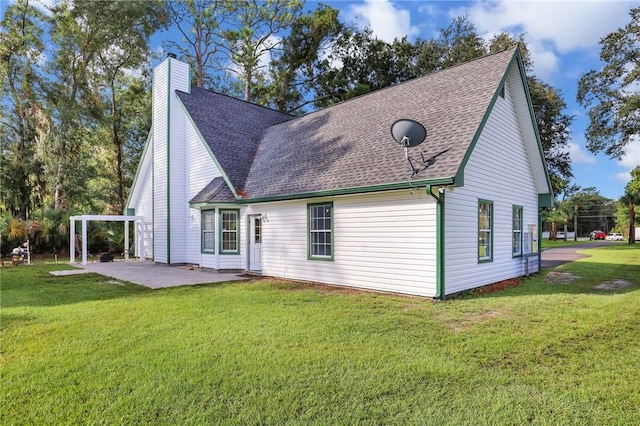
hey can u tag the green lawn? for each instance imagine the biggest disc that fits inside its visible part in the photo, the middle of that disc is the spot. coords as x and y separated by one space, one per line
546 243
91 350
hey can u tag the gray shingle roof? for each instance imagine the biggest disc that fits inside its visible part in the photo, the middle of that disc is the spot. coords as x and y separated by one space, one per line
216 191
349 145
232 128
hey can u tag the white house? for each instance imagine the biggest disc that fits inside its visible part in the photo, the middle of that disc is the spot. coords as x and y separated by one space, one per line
329 197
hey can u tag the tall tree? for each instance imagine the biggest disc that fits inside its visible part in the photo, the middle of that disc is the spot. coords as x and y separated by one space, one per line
594 210
253 34
21 116
95 43
132 24
631 199
200 23
611 94
294 71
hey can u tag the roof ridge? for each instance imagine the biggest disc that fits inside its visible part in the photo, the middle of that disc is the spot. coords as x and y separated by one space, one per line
433 73
236 99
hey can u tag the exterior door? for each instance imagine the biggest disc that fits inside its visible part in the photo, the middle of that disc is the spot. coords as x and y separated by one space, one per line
255 243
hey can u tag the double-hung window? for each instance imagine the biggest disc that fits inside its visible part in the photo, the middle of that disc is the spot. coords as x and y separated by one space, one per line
229 231
320 237
485 231
208 231
516 245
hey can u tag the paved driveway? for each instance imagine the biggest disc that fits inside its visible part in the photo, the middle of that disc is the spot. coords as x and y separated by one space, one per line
553 257
154 275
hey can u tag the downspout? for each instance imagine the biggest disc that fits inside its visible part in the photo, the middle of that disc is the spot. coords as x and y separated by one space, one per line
440 294
539 248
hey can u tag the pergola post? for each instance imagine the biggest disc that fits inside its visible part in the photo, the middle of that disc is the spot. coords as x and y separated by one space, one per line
84 240
72 239
126 239
138 223
140 246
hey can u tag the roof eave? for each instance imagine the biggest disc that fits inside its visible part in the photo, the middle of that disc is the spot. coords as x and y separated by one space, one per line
443 181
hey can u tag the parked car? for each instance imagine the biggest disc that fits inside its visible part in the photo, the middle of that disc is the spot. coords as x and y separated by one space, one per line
616 236
598 235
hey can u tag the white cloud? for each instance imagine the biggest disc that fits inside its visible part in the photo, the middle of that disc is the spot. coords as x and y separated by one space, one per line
385 20
579 155
551 27
631 158
623 177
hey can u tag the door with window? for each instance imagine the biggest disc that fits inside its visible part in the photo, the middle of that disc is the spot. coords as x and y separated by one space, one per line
255 243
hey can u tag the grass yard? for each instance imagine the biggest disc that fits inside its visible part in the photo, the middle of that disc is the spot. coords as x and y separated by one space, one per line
90 350
546 243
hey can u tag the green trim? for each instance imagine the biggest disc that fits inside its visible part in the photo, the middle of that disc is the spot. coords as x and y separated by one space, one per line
206 146
316 257
130 211
169 161
440 239
491 230
515 208
516 60
545 200
348 191
211 204
202 249
153 200
459 177
532 117
539 240
221 230
148 142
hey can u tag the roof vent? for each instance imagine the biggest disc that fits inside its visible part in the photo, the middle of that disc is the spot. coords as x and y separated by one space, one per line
171 55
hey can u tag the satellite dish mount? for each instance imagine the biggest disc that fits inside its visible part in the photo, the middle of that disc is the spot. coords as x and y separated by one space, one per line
409 134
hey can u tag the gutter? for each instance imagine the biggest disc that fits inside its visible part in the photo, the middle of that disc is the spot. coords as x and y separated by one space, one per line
439 198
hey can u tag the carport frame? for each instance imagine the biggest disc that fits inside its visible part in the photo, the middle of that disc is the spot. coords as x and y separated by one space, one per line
138 220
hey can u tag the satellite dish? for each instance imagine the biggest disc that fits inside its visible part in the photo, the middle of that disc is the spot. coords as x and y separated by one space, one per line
408 133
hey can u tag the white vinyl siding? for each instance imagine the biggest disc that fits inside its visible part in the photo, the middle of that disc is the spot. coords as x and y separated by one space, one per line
498 170
178 195
383 241
160 126
200 170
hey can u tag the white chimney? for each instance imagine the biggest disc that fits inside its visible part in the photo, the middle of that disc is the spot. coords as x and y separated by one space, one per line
168 128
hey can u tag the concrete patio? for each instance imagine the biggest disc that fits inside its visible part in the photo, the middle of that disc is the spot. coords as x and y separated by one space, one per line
153 275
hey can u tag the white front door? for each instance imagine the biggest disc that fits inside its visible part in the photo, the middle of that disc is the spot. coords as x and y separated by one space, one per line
255 243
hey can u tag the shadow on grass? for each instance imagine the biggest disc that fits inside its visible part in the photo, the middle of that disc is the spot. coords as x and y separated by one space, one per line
569 280
34 287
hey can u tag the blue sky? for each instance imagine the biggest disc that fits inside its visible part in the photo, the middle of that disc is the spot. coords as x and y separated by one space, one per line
562 36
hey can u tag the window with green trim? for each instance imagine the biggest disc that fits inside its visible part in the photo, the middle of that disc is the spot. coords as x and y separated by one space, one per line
208 223
229 231
485 231
320 223
516 232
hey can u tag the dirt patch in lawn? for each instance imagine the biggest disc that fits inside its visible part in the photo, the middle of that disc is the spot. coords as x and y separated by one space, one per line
467 322
554 277
614 285
318 287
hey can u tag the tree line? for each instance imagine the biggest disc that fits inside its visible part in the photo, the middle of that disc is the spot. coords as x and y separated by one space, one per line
75 94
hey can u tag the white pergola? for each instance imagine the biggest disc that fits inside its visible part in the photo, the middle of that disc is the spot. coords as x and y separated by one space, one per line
138 220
